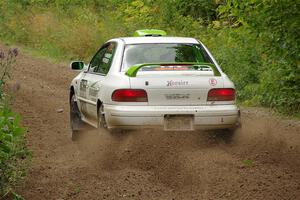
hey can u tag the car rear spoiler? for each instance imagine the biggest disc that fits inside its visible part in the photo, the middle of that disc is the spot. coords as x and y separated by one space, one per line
132 71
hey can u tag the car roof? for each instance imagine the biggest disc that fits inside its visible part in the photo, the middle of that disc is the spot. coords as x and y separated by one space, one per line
151 40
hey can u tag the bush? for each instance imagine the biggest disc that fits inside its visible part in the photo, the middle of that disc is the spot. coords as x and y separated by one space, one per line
12 150
239 54
13 153
275 25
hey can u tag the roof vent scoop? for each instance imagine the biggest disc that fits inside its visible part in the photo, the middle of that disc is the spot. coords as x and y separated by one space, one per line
149 33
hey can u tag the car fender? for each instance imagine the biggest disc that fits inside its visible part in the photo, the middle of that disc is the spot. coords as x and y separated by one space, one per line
110 84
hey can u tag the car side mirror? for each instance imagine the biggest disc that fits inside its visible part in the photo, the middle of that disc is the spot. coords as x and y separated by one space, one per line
77 65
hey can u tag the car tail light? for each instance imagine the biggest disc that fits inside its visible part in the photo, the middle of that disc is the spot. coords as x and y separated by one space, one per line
130 95
221 94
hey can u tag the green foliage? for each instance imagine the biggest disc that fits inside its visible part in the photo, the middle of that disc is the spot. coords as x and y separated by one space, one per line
276 26
248 163
244 69
12 148
256 41
12 151
203 9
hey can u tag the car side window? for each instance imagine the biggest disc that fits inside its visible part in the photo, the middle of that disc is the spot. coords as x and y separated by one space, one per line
95 62
102 61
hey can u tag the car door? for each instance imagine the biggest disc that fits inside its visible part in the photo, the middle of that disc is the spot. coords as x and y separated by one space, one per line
90 84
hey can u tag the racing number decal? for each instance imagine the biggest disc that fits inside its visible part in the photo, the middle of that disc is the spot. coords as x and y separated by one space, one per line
93 91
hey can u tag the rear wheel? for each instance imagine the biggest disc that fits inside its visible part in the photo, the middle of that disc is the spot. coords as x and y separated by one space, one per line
101 118
75 119
221 135
103 125
232 130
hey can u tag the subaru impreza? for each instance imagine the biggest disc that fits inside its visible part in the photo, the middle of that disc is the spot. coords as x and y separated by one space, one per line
152 80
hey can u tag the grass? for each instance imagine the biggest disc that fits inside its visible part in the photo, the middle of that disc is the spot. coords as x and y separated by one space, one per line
248 162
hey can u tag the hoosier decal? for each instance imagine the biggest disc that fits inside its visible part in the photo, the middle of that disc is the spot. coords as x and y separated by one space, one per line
177 83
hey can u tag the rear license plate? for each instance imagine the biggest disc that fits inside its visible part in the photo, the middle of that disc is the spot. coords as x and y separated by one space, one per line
179 123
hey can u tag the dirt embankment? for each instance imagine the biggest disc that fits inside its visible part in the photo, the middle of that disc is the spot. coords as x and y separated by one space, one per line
260 161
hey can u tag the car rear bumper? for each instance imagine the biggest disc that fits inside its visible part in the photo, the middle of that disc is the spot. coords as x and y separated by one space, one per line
204 117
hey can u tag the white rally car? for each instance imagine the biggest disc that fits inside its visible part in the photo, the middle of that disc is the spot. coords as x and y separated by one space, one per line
152 80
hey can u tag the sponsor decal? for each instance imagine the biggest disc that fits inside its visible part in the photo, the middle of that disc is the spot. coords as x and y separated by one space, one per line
94 89
177 83
105 60
93 92
83 84
213 81
82 88
108 55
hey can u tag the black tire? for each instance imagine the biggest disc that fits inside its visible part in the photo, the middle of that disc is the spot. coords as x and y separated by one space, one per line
101 118
103 125
225 135
75 119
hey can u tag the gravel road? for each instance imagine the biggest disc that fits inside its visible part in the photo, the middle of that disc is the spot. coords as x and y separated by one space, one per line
260 161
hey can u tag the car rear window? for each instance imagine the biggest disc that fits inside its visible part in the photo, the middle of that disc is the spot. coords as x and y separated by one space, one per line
164 53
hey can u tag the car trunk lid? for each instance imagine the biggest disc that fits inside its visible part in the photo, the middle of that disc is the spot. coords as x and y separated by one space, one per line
169 88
